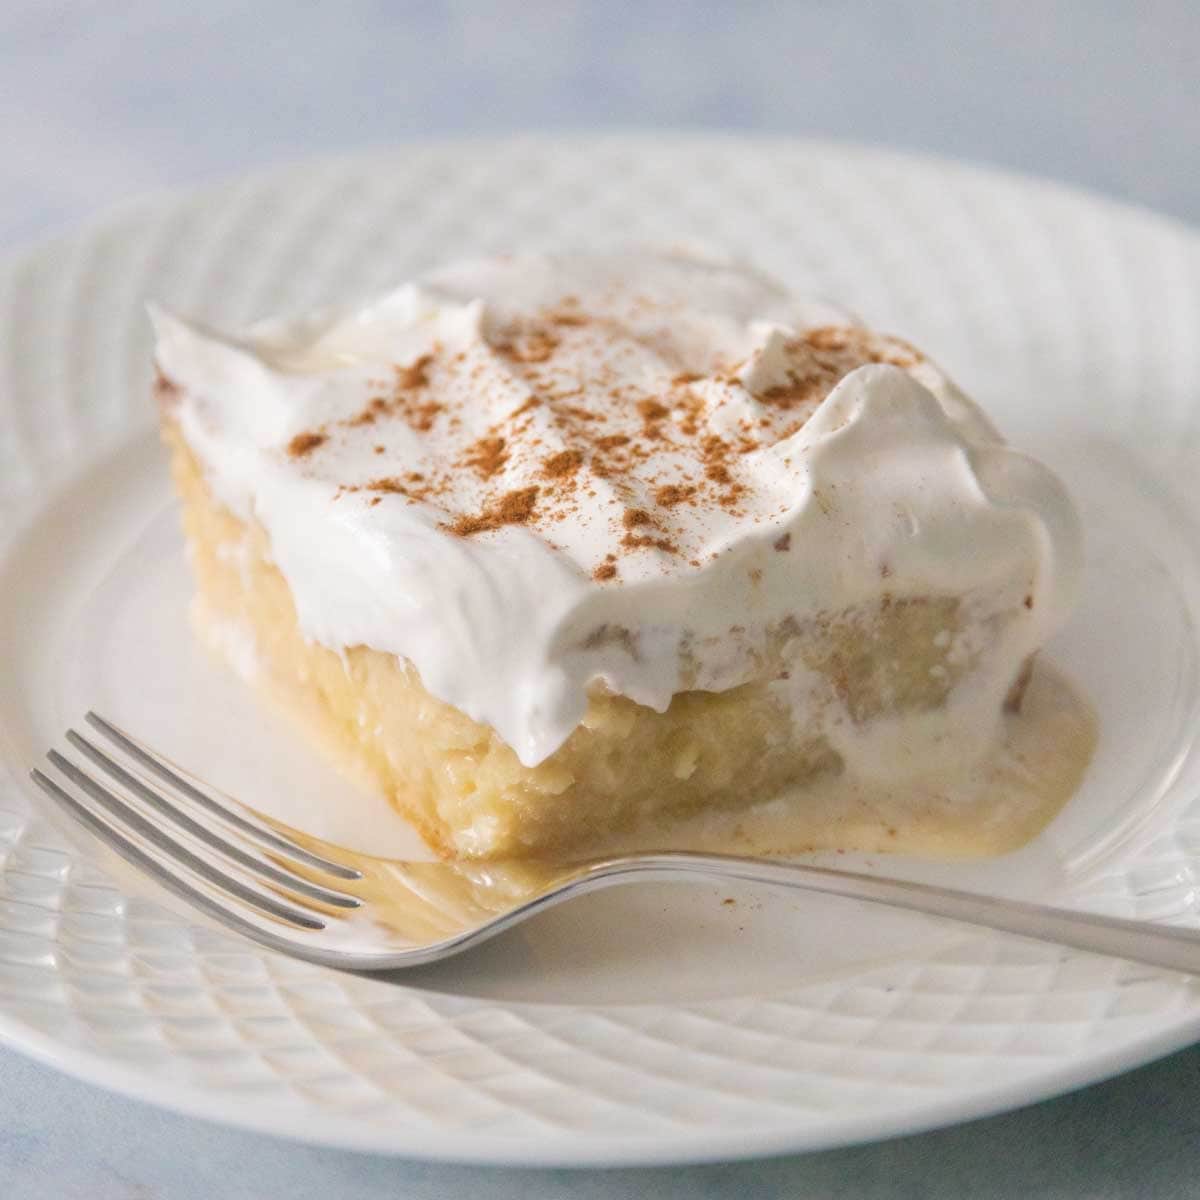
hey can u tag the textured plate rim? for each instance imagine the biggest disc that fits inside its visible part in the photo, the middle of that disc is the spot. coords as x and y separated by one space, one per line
566 1150
154 199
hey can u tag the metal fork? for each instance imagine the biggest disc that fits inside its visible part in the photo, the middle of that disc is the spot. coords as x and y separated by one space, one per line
323 903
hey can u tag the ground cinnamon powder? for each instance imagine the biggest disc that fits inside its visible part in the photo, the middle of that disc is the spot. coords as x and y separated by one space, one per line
604 446
513 508
303 444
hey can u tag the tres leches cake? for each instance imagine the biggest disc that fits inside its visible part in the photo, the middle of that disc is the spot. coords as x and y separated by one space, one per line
574 552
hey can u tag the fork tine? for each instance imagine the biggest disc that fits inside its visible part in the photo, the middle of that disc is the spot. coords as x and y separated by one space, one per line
180 855
202 833
170 775
142 861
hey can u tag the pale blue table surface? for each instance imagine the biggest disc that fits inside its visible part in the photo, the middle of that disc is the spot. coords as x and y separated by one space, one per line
101 101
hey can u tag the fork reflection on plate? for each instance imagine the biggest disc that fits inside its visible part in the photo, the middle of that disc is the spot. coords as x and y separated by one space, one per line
307 898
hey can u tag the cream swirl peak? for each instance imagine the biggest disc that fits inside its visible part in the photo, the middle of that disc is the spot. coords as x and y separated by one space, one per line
531 475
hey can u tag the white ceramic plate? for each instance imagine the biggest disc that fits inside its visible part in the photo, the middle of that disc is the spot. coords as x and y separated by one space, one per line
649 1025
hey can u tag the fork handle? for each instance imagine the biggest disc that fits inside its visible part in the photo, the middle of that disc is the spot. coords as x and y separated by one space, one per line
1139 941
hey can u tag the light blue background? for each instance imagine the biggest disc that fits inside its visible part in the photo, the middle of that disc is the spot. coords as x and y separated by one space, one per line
100 101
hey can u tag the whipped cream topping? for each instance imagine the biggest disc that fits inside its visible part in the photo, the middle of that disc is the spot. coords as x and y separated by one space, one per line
533 475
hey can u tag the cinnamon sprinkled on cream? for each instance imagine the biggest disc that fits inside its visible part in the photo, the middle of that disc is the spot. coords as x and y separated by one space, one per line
303 444
513 508
422 416
528 346
565 462
586 423
672 494
641 541
413 375
652 410
611 442
369 415
388 484
487 456
612 445
583 421
621 430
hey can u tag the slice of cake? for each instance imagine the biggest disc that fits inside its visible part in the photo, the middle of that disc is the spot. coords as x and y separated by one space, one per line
567 550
